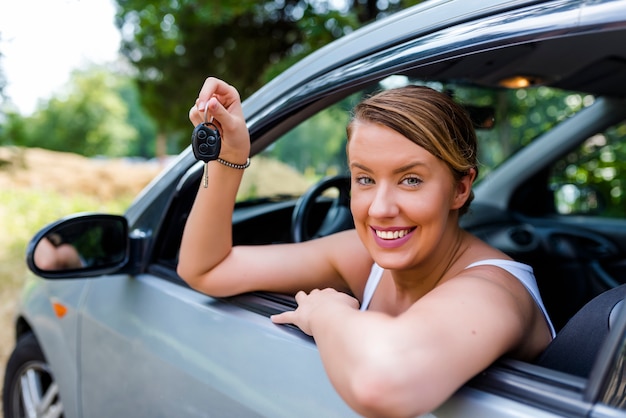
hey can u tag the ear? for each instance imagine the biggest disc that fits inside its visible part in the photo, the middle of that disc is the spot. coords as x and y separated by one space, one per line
464 189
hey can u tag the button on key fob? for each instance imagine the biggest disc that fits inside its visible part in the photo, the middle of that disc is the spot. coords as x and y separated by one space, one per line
206 143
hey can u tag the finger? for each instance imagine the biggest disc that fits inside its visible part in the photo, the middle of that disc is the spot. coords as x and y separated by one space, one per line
283 318
214 87
216 110
198 114
301 295
195 116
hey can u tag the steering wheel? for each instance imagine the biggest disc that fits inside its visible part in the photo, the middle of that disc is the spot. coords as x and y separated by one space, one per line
338 218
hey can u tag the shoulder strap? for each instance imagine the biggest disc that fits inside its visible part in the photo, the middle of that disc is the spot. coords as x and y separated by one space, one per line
370 287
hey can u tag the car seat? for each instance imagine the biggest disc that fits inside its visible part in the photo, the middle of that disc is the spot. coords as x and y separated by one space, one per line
576 345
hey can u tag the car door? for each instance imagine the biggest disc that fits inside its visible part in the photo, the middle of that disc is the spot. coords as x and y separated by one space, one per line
151 347
554 393
168 350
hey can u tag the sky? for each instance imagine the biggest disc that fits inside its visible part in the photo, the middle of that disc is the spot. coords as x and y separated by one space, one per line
43 41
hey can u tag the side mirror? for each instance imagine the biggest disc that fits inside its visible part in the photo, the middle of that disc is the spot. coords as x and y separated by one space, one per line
482 117
80 246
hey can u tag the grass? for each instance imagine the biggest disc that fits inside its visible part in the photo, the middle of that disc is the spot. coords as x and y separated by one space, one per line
23 213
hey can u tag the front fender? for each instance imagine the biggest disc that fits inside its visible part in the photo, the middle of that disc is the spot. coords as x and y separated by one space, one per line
56 334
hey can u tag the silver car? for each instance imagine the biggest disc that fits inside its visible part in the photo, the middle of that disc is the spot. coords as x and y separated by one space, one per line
121 335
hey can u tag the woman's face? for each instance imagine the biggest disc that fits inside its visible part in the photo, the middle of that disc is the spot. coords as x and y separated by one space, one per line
402 196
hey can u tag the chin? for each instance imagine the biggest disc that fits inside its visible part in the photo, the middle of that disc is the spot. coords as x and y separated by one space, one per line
393 261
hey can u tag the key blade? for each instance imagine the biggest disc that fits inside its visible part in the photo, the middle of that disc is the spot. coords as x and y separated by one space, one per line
205 176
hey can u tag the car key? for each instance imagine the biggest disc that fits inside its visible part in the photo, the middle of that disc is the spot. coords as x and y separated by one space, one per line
206 143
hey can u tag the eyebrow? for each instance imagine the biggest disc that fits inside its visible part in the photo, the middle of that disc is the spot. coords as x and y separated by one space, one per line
396 171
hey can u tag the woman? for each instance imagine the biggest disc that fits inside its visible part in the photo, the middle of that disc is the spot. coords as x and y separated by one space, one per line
433 305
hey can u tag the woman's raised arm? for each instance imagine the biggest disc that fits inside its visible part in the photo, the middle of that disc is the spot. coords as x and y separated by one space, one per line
208 261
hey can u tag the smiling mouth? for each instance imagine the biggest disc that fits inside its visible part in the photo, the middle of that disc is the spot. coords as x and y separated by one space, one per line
391 235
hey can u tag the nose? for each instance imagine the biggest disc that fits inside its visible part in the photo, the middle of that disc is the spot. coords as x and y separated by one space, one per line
384 203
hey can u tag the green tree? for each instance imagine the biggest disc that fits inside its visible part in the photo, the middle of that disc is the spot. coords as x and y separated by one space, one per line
176 44
520 116
318 145
91 116
3 80
139 119
597 167
5 112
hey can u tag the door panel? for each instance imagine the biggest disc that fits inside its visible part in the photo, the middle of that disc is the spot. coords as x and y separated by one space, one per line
150 347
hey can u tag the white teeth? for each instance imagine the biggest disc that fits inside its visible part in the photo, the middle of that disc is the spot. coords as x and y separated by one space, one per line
392 234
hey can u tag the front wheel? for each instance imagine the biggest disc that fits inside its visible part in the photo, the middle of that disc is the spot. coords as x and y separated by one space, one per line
29 387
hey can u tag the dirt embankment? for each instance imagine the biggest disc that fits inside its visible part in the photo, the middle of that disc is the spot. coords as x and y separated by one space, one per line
35 168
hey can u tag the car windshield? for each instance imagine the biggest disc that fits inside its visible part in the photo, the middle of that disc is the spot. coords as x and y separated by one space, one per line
506 120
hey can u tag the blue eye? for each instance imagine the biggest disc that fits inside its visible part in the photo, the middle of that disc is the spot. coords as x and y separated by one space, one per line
364 181
412 181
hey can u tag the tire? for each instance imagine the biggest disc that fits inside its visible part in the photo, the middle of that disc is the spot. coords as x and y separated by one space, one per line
29 387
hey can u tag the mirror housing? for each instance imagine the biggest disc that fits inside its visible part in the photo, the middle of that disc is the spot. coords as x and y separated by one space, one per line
81 245
482 117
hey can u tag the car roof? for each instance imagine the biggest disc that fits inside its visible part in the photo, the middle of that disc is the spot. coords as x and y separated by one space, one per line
590 61
410 23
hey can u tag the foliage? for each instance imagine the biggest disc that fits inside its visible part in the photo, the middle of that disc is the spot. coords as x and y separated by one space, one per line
176 44
26 211
3 80
592 178
521 115
317 146
98 113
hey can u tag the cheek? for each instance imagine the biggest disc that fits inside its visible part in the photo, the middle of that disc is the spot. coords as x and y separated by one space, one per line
359 204
426 206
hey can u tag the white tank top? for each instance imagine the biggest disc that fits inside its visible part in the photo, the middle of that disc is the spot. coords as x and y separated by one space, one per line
523 272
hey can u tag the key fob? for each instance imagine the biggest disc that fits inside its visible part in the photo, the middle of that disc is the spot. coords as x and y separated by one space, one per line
206 142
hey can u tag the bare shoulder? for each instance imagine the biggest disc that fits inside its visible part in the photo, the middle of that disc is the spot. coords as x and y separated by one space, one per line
491 302
485 281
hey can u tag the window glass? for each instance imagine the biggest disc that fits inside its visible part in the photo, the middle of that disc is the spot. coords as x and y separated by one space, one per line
506 120
591 180
312 150
520 117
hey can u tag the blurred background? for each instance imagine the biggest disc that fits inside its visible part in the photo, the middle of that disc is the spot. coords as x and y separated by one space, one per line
94 96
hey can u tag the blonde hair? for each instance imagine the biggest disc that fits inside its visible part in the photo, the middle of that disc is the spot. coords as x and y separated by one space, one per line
430 119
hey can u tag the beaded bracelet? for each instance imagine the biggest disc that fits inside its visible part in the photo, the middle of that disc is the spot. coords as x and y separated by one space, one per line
233 165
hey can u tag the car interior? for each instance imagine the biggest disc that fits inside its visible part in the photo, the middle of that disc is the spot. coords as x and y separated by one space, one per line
563 213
